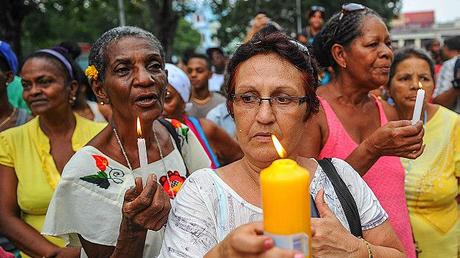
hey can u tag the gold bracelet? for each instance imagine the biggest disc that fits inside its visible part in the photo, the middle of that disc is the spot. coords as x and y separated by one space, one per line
369 250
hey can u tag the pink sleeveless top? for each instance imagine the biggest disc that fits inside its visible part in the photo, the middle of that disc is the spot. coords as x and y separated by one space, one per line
385 177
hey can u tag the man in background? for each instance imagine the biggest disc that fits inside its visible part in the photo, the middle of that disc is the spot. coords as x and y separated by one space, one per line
447 91
218 61
202 99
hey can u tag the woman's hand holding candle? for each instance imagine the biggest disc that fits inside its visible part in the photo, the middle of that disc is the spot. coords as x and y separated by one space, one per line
146 207
396 138
248 241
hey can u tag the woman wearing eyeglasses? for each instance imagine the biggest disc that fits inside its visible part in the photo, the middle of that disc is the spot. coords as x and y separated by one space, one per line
352 124
271 90
433 178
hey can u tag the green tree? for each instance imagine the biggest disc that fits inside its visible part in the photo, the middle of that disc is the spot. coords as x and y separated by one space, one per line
235 15
186 38
166 15
33 24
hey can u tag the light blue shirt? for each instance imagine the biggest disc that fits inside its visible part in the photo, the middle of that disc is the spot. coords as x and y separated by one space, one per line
445 78
222 118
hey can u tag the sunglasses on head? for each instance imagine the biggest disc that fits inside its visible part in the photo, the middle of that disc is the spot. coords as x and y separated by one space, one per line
315 8
346 9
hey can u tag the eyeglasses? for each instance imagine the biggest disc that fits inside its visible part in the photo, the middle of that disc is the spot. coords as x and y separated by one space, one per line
315 8
251 100
346 9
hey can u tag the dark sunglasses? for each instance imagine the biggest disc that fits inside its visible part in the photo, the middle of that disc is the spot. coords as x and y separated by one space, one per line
315 8
346 9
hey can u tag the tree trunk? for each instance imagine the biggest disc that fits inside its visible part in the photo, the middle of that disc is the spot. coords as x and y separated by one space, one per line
166 20
13 13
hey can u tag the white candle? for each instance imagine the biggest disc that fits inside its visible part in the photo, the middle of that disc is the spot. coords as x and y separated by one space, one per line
418 105
141 147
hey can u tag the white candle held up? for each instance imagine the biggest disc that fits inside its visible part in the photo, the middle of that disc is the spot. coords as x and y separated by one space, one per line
141 147
418 104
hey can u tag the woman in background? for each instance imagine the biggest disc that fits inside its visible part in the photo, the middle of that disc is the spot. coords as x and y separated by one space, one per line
9 115
220 147
432 179
33 156
355 126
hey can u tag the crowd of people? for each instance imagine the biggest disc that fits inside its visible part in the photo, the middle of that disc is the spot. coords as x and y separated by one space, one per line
75 183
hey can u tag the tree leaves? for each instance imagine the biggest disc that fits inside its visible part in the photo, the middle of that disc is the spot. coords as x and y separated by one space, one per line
31 25
235 15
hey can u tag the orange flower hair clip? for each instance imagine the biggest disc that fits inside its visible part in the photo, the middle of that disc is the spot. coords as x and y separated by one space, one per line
91 72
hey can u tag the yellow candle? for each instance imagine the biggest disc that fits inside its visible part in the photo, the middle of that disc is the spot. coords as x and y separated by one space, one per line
286 202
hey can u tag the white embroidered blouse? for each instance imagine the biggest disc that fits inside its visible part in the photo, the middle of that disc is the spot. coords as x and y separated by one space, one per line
207 209
89 197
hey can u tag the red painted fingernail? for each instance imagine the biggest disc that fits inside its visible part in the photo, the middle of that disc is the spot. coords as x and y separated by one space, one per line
268 243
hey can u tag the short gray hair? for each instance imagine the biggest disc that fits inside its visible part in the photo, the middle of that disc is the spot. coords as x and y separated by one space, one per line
98 53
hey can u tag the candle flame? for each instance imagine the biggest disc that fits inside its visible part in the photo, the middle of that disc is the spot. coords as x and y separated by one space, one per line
420 85
139 130
279 148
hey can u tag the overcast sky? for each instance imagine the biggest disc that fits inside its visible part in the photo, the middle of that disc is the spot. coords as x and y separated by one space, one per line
445 10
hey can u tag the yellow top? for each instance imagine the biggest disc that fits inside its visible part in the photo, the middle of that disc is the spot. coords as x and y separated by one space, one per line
27 149
432 179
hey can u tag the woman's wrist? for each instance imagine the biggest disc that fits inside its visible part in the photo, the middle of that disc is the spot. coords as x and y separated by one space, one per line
362 249
52 251
131 237
128 227
215 252
369 151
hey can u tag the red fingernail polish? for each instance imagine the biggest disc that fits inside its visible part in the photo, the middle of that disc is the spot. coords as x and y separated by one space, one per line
268 244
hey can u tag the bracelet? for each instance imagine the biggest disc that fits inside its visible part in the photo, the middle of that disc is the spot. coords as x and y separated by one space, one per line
369 250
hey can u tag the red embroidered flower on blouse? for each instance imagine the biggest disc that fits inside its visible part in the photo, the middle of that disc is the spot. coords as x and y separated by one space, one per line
176 123
101 162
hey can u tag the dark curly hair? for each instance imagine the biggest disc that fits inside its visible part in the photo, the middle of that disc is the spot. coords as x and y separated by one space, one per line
341 31
288 49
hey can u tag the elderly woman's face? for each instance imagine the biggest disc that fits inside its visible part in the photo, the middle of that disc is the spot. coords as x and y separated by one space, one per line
404 84
135 78
369 56
265 76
